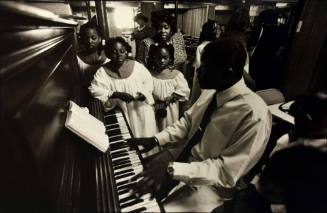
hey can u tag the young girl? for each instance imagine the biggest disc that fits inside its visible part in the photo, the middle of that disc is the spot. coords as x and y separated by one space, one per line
91 55
170 86
127 84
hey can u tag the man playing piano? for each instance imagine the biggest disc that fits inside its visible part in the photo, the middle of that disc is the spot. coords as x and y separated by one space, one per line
226 132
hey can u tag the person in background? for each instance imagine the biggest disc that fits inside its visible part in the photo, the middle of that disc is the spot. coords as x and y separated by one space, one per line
142 31
265 61
236 28
310 116
128 84
165 31
91 54
208 33
295 178
223 135
170 86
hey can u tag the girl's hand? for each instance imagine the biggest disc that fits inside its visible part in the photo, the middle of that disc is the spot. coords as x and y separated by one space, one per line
123 96
173 98
140 97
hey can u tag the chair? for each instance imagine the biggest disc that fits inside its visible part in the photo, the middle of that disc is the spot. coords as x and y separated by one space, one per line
271 96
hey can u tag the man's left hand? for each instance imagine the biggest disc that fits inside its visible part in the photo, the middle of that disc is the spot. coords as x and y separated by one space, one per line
154 175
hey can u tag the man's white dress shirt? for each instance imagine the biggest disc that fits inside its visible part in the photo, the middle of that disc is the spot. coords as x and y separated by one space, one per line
233 141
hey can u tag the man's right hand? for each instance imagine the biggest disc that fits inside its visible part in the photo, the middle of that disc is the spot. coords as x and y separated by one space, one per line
123 96
146 143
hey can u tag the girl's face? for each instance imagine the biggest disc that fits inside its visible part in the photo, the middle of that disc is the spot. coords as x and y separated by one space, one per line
140 22
164 31
119 53
216 30
92 39
162 59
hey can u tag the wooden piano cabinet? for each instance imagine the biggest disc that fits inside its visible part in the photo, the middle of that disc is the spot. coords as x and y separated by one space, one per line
41 162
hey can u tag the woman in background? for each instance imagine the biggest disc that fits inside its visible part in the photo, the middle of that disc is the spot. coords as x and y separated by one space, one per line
208 33
142 31
236 28
267 56
170 86
165 31
128 84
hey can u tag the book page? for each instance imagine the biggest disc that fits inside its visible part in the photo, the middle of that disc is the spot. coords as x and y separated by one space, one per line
84 112
87 127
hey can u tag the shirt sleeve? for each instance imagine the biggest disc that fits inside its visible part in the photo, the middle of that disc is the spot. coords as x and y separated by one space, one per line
197 60
143 51
182 88
237 155
176 132
100 89
179 46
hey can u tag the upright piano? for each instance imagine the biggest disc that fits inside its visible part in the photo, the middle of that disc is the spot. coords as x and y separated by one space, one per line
44 167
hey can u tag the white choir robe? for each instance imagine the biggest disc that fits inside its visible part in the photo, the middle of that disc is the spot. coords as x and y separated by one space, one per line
139 114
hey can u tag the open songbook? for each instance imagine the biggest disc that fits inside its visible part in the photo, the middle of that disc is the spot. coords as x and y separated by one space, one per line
86 126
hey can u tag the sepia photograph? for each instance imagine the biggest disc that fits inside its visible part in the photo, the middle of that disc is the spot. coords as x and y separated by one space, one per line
163 106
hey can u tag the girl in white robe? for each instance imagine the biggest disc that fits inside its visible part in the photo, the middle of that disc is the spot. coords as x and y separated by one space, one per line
127 84
170 86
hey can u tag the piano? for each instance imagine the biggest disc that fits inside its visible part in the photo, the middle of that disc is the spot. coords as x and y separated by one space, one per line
44 166
125 163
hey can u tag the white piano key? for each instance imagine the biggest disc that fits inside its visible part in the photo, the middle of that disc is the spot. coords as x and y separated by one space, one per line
117 150
138 205
136 168
126 156
118 141
154 208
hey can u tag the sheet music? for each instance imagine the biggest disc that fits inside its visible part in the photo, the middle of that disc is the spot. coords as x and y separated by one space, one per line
87 127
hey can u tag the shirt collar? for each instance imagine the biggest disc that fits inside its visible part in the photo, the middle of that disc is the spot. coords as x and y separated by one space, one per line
226 95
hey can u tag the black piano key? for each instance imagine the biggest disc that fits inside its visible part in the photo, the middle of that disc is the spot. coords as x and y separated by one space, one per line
122 166
123 191
119 154
117 145
117 163
123 172
110 120
113 132
124 200
113 148
112 126
127 186
138 210
129 174
119 160
110 112
115 138
123 182
133 202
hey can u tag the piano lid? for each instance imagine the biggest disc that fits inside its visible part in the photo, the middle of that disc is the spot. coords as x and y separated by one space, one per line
24 9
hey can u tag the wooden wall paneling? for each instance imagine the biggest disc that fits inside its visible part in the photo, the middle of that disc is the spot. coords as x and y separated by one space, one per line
306 49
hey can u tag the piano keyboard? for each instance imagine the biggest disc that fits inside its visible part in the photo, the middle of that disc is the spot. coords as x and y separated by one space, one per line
125 164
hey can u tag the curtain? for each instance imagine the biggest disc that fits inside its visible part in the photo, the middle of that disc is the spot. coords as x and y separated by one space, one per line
193 20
